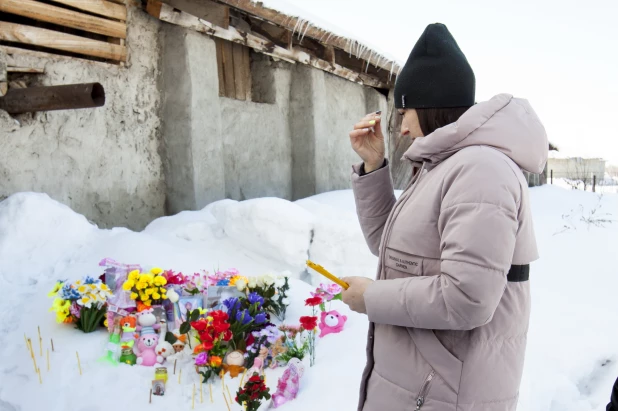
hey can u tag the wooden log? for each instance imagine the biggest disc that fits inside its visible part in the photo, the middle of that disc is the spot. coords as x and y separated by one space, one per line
321 35
60 41
100 7
4 80
64 17
69 97
27 70
11 51
183 19
215 13
153 7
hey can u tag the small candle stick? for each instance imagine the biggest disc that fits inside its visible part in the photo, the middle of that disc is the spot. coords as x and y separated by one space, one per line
210 386
150 401
179 375
79 365
201 392
52 344
48 360
40 341
193 398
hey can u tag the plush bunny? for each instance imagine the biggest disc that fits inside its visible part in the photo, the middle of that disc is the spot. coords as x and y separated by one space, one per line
331 322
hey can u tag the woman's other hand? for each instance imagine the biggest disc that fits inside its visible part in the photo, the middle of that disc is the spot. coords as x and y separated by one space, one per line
354 296
368 141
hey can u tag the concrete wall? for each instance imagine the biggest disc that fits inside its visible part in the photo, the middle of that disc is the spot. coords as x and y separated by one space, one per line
103 162
167 142
294 146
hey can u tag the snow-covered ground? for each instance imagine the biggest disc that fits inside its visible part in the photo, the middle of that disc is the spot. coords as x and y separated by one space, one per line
572 357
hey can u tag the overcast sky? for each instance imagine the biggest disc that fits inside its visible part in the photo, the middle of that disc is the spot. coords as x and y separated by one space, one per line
561 55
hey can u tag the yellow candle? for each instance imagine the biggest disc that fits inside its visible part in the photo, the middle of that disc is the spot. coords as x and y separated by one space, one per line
179 375
210 386
201 392
79 365
193 398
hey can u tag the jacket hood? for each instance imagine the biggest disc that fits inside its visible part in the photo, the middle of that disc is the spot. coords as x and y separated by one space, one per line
504 123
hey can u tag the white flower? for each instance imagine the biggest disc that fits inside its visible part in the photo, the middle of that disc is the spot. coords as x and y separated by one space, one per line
241 284
252 282
268 280
260 281
173 296
85 301
280 282
286 301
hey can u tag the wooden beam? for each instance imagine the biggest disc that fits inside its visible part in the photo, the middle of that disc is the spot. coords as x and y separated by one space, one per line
64 17
60 41
215 13
27 70
100 7
169 15
153 7
323 36
4 79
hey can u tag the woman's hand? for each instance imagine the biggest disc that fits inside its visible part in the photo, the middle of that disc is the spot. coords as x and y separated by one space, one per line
368 141
354 296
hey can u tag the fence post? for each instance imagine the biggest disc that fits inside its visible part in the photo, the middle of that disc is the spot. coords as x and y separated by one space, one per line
594 183
552 176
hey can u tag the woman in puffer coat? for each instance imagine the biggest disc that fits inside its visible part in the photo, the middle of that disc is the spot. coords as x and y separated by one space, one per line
449 310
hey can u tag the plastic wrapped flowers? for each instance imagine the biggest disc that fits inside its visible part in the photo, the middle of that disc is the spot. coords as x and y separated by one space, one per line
82 303
147 288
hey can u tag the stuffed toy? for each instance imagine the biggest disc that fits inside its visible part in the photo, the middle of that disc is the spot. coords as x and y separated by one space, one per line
233 363
331 322
258 365
129 326
147 322
146 350
275 350
164 349
289 383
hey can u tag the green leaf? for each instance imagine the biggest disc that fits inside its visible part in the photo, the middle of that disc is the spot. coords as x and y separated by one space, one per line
185 328
170 338
338 297
322 307
195 315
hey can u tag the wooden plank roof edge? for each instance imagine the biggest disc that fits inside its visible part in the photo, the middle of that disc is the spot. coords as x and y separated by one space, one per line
299 25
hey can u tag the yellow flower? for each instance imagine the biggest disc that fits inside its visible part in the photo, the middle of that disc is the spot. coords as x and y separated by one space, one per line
56 288
104 287
145 278
93 287
156 271
134 296
82 289
134 275
143 296
78 282
147 303
159 281
61 316
163 297
238 277
60 305
156 296
149 291
141 285
128 285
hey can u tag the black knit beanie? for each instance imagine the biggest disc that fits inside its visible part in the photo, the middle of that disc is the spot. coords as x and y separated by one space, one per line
437 73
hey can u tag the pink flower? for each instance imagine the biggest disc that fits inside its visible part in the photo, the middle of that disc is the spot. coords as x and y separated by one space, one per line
201 359
75 309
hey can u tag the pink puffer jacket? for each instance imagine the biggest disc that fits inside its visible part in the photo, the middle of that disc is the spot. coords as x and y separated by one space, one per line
448 330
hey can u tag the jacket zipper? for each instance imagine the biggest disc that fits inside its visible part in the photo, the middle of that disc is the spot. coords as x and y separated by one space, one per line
420 400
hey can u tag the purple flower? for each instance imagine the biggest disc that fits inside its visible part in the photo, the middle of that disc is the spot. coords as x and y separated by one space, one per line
244 316
75 310
201 359
255 298
231 304
260 318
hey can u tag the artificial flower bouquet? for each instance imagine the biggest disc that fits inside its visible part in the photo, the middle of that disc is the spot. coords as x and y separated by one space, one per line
82 302
147 288
214 335
251 395
273 290
295 342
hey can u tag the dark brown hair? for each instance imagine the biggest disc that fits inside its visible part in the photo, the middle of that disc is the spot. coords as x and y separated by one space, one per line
431 119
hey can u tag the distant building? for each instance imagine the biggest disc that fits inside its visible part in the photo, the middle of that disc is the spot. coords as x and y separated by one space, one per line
575 168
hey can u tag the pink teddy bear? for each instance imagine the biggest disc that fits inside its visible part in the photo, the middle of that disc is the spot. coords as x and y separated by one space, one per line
146 350
331 322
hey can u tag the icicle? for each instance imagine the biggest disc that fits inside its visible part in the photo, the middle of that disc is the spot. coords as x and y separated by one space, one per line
305 32
390 77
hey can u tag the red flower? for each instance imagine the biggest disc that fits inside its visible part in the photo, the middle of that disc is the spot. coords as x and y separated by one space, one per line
312 302
255 378
227 335
219 316
220 327
309 323
208 345
199 325
255 396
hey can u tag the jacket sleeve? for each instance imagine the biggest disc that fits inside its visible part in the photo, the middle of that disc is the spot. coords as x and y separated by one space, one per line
478 226
375 197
